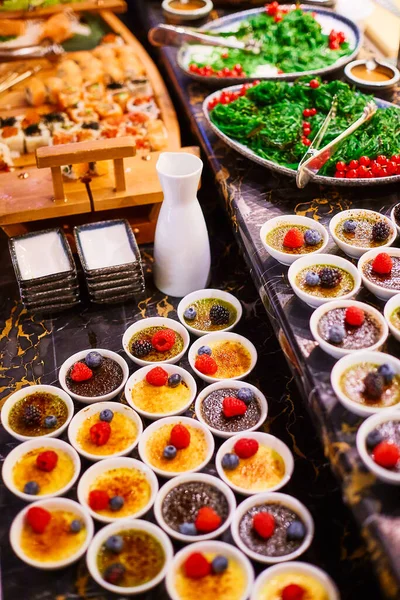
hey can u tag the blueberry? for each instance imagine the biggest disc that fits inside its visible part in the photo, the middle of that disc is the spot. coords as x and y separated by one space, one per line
169 452
349 226
106 415
187 529
32 488
312 237
336 334
114 543
93 360
114 573
174 380
373 439
296 531
219 564
76 526
190 313
230 461
204 350
245 395
312 279
387 373
50 422
116 503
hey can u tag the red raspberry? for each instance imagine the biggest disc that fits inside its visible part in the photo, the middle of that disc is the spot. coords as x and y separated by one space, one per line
293 238
100 433
98 500
264 524
196 566
207 520
80 372
246 447
38 518
47 461
180 437
163 340
386 454
206 364
382 263
354 316
293 592
157 376
232 407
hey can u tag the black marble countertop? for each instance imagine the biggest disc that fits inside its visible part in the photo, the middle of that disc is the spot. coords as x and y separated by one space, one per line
252 195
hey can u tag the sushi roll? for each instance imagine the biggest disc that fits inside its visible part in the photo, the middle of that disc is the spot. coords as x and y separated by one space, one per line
88 131
104 53
108 109
13 137
82 113
140 87
157 134
113 71
64 136
35 92
70 72
55 119
53 85
70 97
57 28
5 158
36 135
143 105
129 62
122 98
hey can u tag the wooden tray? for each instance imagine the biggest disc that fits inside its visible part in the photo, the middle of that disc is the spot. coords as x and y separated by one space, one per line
92 5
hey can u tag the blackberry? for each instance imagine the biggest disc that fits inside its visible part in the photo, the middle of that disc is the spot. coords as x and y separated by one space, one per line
32 415
373 386
141 348
380 231
219 315
329 277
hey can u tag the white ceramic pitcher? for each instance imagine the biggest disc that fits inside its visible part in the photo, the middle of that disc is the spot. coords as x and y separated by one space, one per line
181 245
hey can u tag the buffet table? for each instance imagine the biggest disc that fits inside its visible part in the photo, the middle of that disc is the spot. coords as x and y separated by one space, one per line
252 195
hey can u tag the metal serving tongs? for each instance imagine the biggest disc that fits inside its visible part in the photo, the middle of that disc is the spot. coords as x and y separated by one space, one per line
169 35
50 51
315 157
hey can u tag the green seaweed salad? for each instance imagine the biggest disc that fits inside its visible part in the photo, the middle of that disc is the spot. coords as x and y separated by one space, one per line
292 42
269 119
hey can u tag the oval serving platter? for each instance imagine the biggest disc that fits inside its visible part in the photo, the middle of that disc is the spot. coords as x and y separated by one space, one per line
321 179
327 19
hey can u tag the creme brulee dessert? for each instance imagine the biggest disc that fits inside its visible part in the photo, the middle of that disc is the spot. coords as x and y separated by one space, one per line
224 359
258 473
162 399
180 459
123 432
312 588
131 484
27 471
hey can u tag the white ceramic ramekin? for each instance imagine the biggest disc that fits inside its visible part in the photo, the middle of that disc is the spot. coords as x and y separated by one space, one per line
391 305
369 425
205 294
380 292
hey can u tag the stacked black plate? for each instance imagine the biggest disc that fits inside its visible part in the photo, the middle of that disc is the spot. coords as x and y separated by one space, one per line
45 270
111 261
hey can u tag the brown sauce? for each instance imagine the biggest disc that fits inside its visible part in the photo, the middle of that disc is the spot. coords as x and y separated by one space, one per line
379 74
190 5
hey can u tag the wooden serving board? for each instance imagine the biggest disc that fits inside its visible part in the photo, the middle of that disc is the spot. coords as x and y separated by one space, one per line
27 193
92 5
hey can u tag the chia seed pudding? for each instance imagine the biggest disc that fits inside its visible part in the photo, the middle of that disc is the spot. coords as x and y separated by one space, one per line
278 544
276 236
389 432
106 378
345 285
362 236
356 338
184 501
391 281
154 355
212 413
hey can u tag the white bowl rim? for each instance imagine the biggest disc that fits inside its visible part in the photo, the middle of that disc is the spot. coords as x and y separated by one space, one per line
390 306
270 498
170 368
167 421
378 85
98 407
324 308
18 452
208 293
300 566
209 546
370 284
62 374
365 428
227 335
261 437
107 465
357 211
21 393
235 384
65 503
296 220
114 528
194 477
354 358
393 218
162 321
196 12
